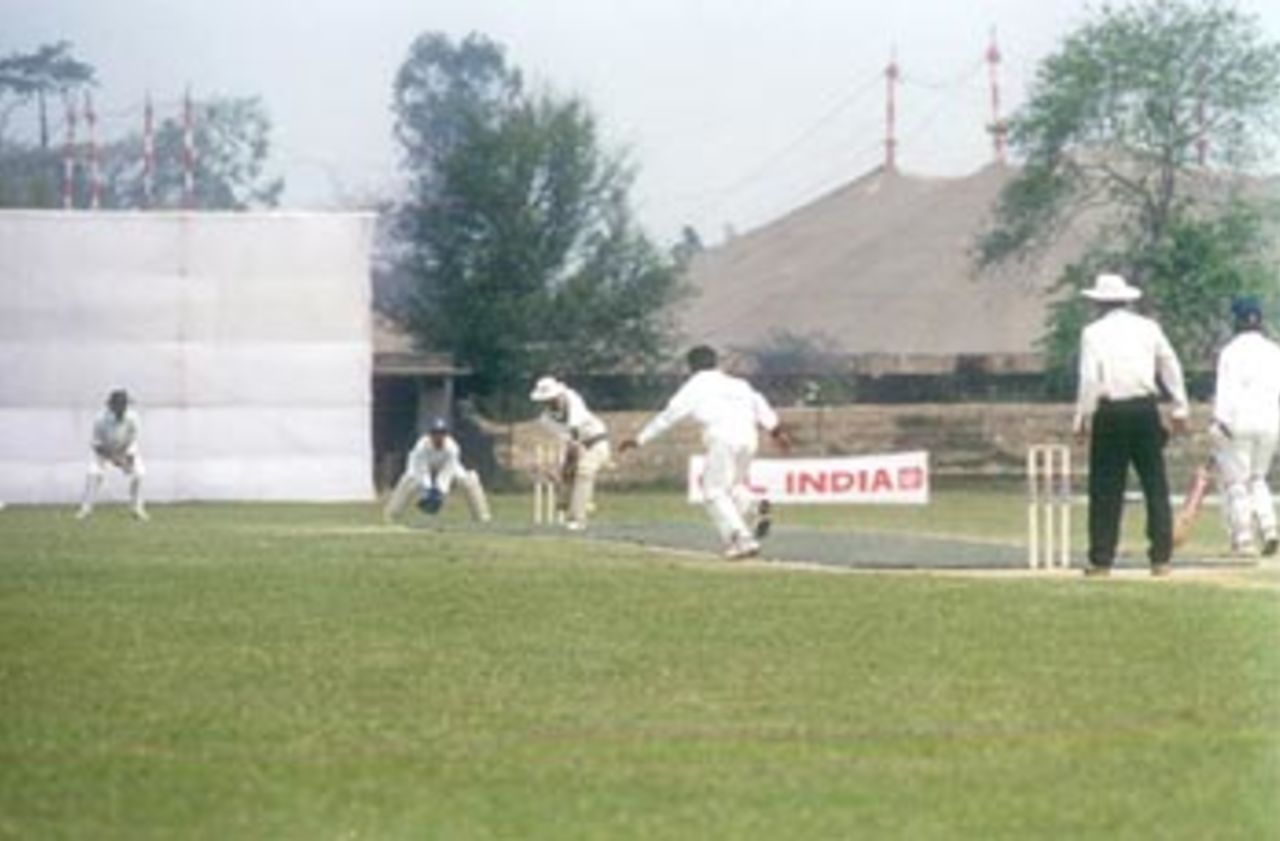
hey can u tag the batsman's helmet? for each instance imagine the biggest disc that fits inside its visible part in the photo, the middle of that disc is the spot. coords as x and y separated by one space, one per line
546 388
1247 311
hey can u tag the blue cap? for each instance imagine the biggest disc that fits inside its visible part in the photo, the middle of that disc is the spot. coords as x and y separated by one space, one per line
1246 309
438 425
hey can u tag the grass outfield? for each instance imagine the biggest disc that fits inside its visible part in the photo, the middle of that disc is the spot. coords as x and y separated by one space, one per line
297 672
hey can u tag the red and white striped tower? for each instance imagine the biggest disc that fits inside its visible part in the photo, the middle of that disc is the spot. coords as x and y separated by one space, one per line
997 124
148 153
69 157
188 153
890 141
95 180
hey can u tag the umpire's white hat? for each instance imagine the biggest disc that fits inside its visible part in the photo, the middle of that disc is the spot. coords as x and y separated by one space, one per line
1112 288
547 388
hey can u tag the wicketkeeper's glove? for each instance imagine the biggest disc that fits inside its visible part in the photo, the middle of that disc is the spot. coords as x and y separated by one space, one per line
430 501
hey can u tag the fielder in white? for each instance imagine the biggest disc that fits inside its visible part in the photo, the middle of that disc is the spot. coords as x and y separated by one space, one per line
115 443
730 412
432 467
1246 424
584 441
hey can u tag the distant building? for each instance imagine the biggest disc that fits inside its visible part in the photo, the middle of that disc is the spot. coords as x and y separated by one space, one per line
882 271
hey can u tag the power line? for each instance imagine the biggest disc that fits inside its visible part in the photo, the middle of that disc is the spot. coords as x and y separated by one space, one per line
763 168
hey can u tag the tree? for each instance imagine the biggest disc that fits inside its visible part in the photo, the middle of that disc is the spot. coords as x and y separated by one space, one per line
689 246
232 143
519 239
30 174
49 70
801 368
1111 137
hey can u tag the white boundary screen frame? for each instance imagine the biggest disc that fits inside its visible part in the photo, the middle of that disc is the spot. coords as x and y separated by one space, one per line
244 338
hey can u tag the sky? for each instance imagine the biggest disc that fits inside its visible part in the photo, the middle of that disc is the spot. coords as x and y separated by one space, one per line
733 112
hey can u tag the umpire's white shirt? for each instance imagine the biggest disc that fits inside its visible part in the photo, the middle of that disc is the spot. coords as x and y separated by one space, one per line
727 408
1121 354
1247 399
118 436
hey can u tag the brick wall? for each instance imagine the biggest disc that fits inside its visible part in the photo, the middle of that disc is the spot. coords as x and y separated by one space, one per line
972 439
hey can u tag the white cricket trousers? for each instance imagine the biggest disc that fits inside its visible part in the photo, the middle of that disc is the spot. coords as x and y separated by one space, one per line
726 496
591 460
97 472
412 482
1243 461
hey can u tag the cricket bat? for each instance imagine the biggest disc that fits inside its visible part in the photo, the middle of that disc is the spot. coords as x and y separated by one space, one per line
1186 516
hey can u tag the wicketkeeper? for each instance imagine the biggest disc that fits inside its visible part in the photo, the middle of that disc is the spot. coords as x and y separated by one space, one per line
1246 425
432 467
115 444
584 440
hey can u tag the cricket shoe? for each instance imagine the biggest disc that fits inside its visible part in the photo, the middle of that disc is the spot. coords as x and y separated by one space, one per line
83 513
140 514
574 525
1243 549
763 521
740 549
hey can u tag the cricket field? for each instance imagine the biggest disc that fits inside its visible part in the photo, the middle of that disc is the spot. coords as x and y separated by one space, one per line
301 671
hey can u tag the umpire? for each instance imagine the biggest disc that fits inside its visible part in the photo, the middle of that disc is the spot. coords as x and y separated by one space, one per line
1121 356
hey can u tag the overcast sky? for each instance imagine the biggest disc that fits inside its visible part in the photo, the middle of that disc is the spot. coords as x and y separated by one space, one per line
734 111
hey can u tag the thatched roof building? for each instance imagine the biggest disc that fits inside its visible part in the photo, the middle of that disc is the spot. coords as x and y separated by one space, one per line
882 271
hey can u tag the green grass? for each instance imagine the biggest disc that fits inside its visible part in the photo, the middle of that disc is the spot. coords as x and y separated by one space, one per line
285 672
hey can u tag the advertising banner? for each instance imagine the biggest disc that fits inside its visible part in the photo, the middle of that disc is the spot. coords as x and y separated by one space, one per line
888 479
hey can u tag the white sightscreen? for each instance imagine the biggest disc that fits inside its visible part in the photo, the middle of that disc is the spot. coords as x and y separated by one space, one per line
243 338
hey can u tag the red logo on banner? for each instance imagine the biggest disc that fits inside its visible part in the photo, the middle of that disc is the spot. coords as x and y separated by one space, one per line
901 478
841 481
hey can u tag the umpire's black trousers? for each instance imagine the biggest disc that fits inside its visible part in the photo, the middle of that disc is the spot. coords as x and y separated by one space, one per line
1127 432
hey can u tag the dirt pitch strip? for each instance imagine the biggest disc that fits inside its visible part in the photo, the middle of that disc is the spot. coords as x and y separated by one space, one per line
839 551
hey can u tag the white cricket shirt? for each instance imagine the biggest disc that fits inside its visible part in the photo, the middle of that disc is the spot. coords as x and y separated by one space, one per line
1247 396
1121 354
727 408
117 436
426 459
575 422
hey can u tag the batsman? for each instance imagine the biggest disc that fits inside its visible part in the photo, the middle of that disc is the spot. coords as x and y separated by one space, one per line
585 444
1246 425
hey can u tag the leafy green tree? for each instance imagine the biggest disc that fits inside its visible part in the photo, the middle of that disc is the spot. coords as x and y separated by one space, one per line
232 141
518 236
30 174
30 177
49 70
1111 138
